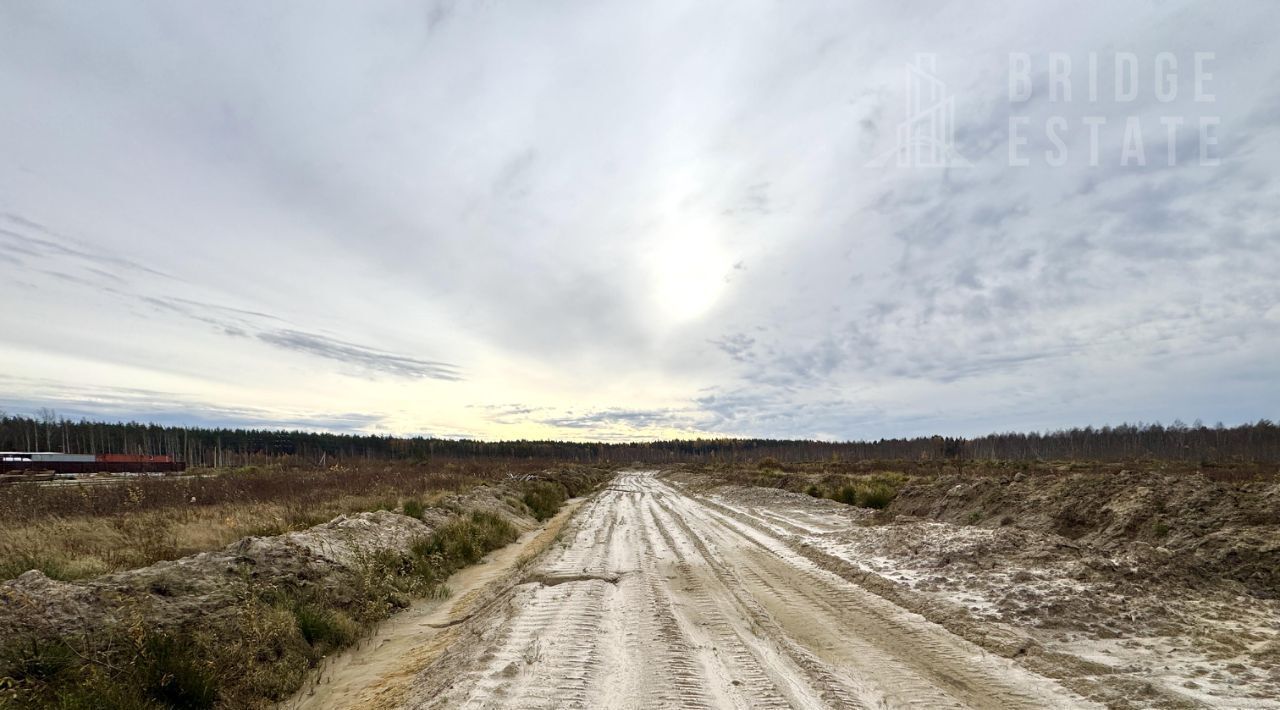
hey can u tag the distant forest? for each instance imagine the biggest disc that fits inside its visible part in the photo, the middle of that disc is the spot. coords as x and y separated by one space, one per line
1258 442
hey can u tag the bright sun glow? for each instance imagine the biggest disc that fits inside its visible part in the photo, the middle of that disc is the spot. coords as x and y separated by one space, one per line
689 270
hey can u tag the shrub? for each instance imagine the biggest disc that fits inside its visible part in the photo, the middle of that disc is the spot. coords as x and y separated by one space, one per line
875 495
865 493
150 671
847 495
260 654
814 491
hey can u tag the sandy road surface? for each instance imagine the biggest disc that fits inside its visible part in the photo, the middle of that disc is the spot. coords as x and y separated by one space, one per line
371 674
654 600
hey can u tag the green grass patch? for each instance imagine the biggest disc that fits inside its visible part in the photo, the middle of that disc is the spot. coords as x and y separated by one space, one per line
169 672
463 542
116 671
870 492
414 508
544 498
876 495
323 628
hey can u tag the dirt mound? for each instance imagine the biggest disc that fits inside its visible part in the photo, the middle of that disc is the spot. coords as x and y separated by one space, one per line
206 584
1184 525
326 558
1109 623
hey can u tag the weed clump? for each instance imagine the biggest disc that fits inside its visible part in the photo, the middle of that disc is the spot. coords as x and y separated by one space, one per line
172 674
463 542
414 508
876 495
323 628
847 495
544 498
873 492
151 671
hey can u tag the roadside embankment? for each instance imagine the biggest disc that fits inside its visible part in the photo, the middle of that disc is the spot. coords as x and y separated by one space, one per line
242 626
1136 588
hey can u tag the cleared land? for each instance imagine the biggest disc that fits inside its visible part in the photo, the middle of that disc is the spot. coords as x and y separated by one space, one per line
657 599
1136 590
868 584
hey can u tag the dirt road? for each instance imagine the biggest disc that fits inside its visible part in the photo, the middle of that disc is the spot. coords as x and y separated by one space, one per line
655 600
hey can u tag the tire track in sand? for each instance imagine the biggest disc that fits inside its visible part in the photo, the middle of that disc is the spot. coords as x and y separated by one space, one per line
655 601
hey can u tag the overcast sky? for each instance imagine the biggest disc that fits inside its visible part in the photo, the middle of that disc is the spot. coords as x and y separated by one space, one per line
619 220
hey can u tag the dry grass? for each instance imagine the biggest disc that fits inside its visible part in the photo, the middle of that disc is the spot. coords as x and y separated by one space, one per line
874 482
257 650
258 655
72 532
83 546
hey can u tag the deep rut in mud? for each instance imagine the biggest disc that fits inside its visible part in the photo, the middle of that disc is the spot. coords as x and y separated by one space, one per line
657 600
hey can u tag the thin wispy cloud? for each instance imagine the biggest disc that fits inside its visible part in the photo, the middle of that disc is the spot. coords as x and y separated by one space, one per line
365 358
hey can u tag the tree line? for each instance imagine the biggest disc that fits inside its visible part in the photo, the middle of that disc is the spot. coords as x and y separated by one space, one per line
202 446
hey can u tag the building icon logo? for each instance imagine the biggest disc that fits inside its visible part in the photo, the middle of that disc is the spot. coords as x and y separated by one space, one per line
926 139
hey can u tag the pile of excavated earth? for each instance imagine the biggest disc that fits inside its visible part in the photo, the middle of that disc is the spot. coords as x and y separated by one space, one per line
203 589
1135 589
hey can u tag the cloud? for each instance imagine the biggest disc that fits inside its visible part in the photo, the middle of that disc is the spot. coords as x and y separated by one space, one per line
30 395
737 346
19 237
557 205
375 361
610 419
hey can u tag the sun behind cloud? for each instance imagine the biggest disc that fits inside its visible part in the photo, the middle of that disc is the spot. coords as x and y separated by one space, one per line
688 267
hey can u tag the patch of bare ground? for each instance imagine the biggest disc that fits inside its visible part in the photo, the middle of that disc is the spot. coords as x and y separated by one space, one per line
658 599
1135 589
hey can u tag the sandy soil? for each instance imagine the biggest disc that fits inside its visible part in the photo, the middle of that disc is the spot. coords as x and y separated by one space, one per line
655 598
375 671
1093 619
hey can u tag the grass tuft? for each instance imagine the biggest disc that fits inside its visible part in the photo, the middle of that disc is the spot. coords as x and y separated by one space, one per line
414 508
170 673
544 498
325 629
876 495
463 542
